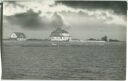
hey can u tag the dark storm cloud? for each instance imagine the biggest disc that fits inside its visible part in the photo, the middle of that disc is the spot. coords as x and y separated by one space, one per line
119 7
29 19
33 20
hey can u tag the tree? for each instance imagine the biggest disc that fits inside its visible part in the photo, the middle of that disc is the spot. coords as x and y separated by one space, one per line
105 38
113 40
92 39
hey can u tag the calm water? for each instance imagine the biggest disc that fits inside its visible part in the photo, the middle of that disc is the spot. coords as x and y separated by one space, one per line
36 60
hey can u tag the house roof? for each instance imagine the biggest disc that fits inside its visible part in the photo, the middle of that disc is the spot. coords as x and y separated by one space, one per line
20 35
58 32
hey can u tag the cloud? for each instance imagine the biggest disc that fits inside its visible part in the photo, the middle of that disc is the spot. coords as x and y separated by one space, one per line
29 19
15 7
119 7
33 20
108 11
14 4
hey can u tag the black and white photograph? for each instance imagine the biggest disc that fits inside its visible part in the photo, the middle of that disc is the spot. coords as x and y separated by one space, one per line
64 40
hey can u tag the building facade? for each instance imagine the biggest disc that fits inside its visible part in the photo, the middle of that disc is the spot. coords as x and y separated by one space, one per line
60 35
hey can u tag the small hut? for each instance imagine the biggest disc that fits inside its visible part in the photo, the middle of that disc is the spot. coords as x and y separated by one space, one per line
18 36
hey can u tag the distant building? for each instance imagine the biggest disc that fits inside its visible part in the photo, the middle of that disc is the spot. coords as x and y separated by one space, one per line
60 35
18 36
75 40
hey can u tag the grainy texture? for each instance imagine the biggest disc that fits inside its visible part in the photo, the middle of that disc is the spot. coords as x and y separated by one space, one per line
40 60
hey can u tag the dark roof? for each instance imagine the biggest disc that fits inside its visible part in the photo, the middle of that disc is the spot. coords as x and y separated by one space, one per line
20 35
58 32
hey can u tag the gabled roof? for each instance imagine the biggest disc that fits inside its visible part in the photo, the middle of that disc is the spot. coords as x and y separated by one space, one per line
20 35
58 32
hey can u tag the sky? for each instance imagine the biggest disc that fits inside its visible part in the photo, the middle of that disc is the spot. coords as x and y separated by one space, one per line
82 19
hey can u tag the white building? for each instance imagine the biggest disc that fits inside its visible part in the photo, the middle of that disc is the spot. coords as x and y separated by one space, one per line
60 35
18 36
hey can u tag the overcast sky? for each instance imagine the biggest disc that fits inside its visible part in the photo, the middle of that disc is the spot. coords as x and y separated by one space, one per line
81 19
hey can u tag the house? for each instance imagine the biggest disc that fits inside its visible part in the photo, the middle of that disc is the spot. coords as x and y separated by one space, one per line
60 35
18 36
